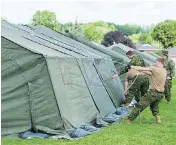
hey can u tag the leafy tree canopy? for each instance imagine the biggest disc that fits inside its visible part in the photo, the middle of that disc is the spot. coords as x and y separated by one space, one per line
73 29
117 37
165 32
45 18
95 31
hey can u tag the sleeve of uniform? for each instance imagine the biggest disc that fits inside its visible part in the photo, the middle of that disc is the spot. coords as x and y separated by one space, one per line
172 68
133 61
146 70
125 69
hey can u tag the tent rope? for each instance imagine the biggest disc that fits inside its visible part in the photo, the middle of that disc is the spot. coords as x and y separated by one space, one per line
132 83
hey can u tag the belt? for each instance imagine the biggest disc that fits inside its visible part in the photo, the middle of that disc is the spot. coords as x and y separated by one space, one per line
157 91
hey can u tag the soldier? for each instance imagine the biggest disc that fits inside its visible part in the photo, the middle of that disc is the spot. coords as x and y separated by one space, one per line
169 65
140 84
139 87
155 94
135 60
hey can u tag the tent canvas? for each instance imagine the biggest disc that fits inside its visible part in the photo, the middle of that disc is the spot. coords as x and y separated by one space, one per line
149 60
119 60
56 97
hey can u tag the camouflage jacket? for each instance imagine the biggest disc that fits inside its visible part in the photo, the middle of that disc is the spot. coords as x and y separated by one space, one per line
169 65
136 61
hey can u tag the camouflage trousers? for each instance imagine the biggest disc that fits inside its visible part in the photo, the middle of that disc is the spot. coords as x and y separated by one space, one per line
138 89
152 98
167 92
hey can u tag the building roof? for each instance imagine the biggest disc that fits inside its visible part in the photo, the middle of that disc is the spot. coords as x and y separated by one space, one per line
146 47
172 51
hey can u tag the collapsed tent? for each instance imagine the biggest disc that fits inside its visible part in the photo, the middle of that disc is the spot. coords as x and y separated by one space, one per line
52 83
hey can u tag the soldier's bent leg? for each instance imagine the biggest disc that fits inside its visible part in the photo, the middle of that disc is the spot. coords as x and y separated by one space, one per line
132 93
150 97
145 86
143 103
155 110
154 107
134 90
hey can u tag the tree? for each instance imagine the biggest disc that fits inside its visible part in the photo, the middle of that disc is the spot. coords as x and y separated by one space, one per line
45 18
91 33
95 31
165 32
73 29
149 39
117 37
128 29
148 28
135 38
143 38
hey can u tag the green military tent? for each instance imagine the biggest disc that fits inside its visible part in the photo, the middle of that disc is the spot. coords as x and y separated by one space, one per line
149 60
153 54
52 83
119 59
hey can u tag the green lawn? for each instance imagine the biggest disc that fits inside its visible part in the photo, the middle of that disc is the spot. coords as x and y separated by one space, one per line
148 133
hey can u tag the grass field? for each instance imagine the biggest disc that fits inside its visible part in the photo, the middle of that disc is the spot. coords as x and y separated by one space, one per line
148 133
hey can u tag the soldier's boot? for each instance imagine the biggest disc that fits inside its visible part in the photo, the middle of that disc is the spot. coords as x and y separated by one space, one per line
126 105
158 120
127 122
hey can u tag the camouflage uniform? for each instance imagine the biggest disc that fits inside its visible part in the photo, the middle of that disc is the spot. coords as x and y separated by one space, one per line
169 65
152 98
141 84
138 89
135 61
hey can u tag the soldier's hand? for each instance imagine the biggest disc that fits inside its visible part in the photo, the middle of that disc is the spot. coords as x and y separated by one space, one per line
115 76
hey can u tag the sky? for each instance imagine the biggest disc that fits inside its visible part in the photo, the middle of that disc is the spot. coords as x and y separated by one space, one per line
119 12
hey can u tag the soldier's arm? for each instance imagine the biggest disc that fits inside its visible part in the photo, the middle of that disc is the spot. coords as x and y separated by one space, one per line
172 68
139 68
146 70
124 70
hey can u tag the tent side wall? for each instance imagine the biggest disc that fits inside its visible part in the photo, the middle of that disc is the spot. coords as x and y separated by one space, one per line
74 99
28 99
114 87
96 87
